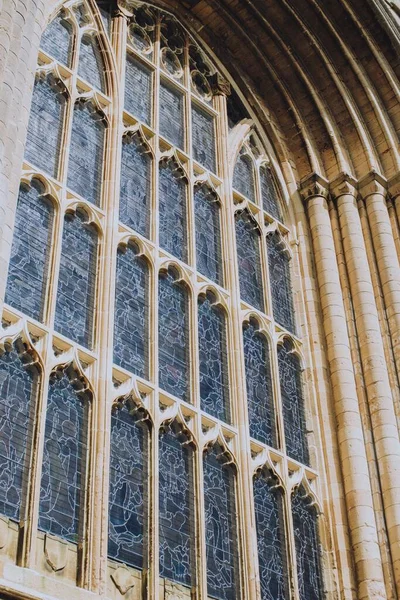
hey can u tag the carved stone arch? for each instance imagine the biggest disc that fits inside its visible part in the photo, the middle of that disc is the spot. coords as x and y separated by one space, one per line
260 326
88 216
139 248
225 454
248 216
172 158
170 267
134 403
44 186
204 182
136 135
284 339
214 296
284 244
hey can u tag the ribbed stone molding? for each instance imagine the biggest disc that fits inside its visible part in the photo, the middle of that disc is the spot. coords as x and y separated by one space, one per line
376 377
358 495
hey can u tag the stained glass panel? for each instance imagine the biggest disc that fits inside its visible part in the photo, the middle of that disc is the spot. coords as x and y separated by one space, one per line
176 508
131 313
91 66
279 278
18 385
47 111
243 177
249 264
269 193
173 343
268 504
128 488
171 115
135 191
220 527
203 141
86 153
305 526
29 261
259 386
208 235
172 210
77 280
213 364
138 88
56 40
63 483
292 403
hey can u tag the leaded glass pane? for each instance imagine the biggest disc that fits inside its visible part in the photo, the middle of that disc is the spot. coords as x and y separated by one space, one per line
176 508
135 191
173 334
29 261
171 115
270 199
243 177
63 483
208 234
86 153
45 126
172 210
268 505
279 278
91 66
292 403
138 90
56 40
305 526
77 280
131 313
128 488
214 397
249 263
259 386
220 527
203 142
18 385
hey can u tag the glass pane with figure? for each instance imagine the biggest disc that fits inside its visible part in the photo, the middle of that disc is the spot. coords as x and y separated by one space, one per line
269 193
203 142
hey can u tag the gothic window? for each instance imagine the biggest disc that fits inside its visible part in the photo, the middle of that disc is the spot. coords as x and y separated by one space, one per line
249 262
128 486
259 385
268 505
77 280
220 526
131 308
19 379
91 66
213 359
56 40
138 86
29 261
208 234
171 115
173 348
176 506
305 526
203 138
279 277
243 176
269 193
135 192
64 467
172 209
292 402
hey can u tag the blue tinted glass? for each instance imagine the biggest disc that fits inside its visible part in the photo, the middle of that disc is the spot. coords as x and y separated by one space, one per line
243 177
220 526
135 193
130 316
214 395
128 493
259 386
47 110
56 40
208 235
172 210
269 193
63 483
268 507
91 66
173 348
77 279
171 115
305 526
279 279
86 154
18 384
29 261
175 509
292 403
203 142
138 91
248 255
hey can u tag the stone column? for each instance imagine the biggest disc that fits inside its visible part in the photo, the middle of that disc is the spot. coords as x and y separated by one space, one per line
379 395
357 489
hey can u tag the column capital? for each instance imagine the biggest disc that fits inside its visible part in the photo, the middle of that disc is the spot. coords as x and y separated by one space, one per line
342 185
372 183
394 186
313 185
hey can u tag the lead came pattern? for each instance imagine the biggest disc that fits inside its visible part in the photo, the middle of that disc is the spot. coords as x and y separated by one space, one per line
171 115
56 40
128 491
172 210
279 277
248 257
203 142
138 90
135 190
269 193
243 177
208 234
91 67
